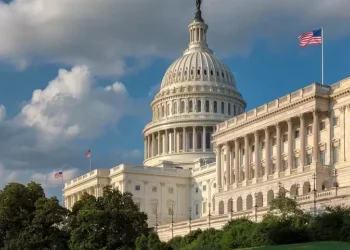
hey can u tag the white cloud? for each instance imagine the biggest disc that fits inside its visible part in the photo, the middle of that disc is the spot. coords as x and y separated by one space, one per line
2 113
72 106
114 37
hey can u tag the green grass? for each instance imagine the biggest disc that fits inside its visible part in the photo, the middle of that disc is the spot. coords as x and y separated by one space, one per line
329 245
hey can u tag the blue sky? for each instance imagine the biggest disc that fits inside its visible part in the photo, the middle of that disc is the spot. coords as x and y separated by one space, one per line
113 63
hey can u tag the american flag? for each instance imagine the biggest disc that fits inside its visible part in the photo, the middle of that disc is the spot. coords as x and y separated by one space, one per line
88 154
310 38
58 174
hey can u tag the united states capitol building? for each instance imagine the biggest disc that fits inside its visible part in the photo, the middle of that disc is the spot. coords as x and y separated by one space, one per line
207 160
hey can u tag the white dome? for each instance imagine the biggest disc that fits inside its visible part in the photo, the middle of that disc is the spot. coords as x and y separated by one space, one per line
198 66
197 92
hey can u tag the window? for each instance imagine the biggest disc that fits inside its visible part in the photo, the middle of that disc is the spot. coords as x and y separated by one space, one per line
296 162
190 106
154 208
197 209
229 108
274 141
181 140
309 130
170 209
222 108
154 189
196 190
199 106
204 207
137 188
207 106
296 134
308 159
175 108
262 145
335 155
182 107
211 72
323 157
322 125
234 109
171 190
335 121
285 138
190 140
215 107
199 140
204 188
253 148
207 140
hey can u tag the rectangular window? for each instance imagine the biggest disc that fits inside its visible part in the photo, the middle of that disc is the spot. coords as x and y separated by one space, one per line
171 190
207 140
335 121
296 134
154 189
309 130
253 148
285 138
154 208
196 190
197 209
204 207
322 125
229 108
190 140
308 159
137 188
170 209
323 157
274 141
335 155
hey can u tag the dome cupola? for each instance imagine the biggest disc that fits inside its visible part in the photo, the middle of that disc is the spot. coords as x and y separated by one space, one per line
197 92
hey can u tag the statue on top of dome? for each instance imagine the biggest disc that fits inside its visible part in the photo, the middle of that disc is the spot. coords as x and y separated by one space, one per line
198 14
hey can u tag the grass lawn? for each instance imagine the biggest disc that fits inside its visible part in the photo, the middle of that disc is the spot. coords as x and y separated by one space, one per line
328 245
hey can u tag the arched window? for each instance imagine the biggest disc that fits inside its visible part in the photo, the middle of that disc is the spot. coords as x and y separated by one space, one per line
222 108
175 108
229 108
215 107
182 107
168 109
190 106
199 140
207 106
199 106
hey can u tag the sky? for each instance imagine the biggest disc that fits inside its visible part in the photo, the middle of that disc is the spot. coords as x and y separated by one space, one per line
80 75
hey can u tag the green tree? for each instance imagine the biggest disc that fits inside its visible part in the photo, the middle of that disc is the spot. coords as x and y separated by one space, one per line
141 243
110 222
208 240
29 220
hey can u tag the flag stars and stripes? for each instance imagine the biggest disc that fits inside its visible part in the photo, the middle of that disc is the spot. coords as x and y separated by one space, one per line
310 38
59 174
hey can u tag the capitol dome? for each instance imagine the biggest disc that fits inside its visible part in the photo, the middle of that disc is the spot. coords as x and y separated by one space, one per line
197 92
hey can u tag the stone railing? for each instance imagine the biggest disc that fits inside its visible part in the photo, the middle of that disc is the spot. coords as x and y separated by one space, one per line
89 175
186 117
311 90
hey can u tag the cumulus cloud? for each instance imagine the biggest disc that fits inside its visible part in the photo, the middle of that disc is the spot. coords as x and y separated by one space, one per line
2 113
114 37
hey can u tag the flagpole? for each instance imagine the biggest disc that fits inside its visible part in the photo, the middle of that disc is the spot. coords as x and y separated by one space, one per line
322 55
90 161
62 187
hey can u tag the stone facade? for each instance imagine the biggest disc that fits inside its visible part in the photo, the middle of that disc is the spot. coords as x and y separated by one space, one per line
208 161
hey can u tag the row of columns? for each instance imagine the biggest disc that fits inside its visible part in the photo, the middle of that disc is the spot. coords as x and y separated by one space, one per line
176 140
69 200
239 147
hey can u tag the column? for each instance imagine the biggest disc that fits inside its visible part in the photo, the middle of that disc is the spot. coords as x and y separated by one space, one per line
204 141
194 141
159 143
218 166
256 153
302 140
246 158
184 139
278 157
153 144
315 136
149 146
342 155
145 148
228 164
166 148
290 144
267 152
237 167
174 142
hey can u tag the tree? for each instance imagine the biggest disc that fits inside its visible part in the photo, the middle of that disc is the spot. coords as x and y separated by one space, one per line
29 220
110 222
